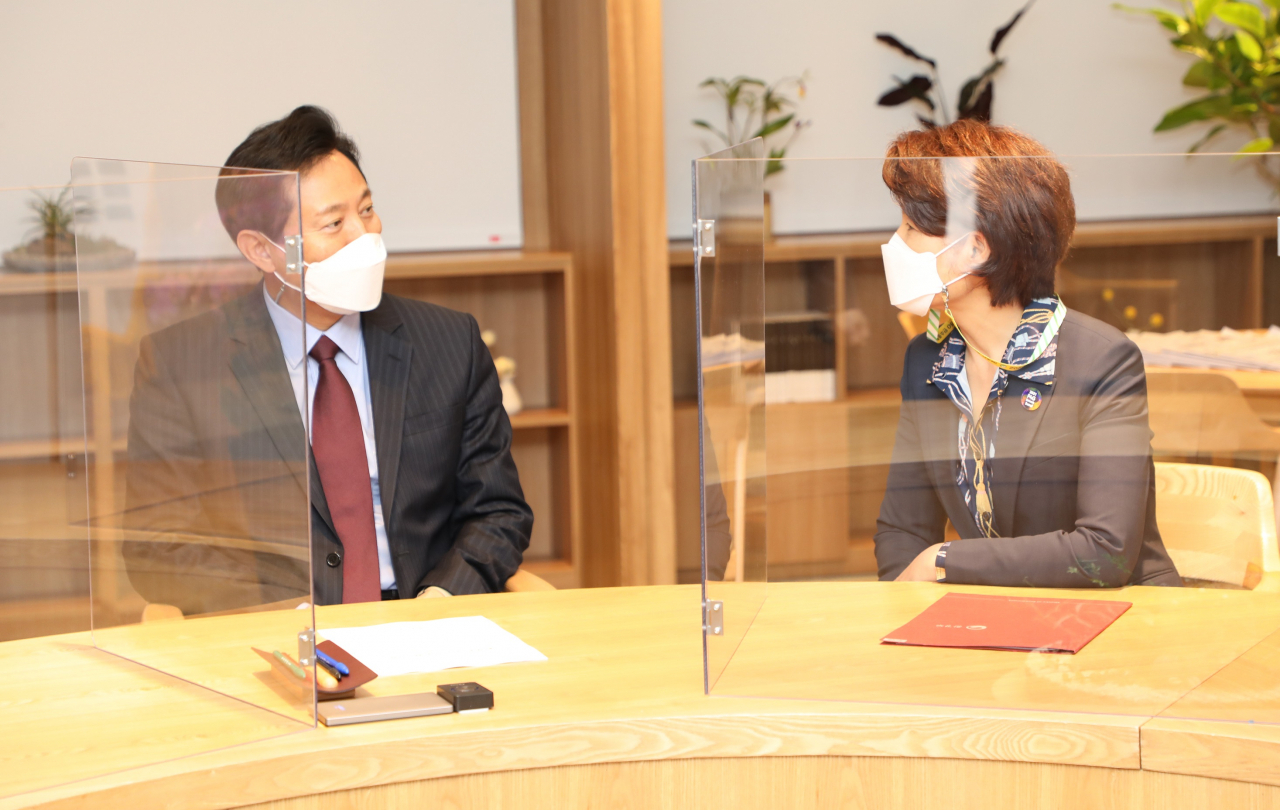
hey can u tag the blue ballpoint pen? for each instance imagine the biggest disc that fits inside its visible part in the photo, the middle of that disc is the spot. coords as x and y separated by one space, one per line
336 664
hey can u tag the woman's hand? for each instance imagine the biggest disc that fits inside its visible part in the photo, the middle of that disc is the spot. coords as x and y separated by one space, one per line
923 568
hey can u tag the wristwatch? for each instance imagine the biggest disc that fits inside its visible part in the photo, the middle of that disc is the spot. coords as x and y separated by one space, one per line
940 562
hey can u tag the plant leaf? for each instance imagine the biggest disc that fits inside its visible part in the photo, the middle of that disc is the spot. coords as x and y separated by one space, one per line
1199 110
980 110
917 86
894 42
1168 19
773 126
1249 47
1204 74
1245 16
1195 147
1001 33
1256 145
1204 10
967 93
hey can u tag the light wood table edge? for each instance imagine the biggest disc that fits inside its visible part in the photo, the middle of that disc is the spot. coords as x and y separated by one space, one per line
1241 752
321 763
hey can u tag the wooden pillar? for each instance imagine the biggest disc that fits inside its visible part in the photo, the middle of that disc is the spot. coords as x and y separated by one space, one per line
598 108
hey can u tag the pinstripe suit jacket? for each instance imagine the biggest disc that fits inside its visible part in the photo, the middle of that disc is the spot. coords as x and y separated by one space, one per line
218 480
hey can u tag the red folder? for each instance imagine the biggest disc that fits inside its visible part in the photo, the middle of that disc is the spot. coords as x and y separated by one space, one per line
982 622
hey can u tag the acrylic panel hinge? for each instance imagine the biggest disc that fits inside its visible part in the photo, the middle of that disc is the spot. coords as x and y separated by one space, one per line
704 237
713 617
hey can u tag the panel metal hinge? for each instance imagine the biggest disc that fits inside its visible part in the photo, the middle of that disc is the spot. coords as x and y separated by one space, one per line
293 253
307 647
713 617
704 237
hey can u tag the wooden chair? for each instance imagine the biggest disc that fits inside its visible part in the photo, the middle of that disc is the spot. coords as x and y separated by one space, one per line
520 582
1218 524
1204 414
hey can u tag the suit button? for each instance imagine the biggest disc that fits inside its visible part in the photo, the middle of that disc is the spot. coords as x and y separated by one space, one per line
333 560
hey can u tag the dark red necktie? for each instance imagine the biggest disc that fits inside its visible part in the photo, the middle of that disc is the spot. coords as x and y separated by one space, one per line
337 443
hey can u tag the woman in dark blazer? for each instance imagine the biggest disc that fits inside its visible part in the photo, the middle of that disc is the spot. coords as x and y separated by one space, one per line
1024 424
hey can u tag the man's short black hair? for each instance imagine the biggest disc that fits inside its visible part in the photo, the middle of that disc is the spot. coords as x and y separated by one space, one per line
295 143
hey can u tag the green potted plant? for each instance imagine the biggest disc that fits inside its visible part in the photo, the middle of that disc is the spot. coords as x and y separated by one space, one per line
51 242
1236 47
756 109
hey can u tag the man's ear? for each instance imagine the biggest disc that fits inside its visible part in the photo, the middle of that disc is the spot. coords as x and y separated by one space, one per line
258 250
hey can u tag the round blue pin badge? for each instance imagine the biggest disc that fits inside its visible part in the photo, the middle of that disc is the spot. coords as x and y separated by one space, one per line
1031 399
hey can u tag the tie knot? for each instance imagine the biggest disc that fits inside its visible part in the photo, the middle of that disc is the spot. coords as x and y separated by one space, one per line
325 349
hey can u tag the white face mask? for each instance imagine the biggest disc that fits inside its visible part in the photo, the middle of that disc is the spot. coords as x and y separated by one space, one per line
350 280
913 277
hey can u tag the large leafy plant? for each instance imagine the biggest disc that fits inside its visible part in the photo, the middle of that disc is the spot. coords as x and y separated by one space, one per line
976 95
755 109
1237 51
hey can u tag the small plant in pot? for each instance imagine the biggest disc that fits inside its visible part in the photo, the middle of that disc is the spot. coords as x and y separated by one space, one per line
51 244
755 109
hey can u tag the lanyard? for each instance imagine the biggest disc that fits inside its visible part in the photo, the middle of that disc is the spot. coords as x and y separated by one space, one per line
938 331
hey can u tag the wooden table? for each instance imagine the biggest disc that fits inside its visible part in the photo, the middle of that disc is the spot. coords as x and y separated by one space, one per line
617 716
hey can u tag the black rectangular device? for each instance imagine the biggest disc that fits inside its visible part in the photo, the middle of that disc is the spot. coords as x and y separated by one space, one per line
466 697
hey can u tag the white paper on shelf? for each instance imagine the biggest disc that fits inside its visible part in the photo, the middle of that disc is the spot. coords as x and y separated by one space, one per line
399 648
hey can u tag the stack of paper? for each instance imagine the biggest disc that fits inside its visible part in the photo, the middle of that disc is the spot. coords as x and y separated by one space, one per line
399 648
1228 349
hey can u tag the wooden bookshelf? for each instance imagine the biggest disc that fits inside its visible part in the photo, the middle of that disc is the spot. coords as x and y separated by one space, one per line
1195 273
525 297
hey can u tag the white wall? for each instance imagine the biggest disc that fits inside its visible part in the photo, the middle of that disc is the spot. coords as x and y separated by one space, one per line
1083 78
427 90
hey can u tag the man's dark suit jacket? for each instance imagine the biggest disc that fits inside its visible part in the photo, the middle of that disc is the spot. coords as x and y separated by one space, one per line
217 455
1072 482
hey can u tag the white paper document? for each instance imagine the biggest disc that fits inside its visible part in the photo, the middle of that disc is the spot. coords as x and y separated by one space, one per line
399 648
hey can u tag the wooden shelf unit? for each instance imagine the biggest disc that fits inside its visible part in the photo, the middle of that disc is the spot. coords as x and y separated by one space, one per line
1197 273
523 296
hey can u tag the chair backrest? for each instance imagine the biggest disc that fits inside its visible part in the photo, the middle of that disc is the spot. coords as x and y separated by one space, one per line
1196 413
912 324
1218 523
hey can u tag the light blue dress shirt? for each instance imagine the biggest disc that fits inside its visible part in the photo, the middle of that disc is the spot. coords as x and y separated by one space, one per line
351 362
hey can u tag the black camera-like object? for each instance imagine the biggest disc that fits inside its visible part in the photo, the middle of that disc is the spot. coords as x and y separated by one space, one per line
466 697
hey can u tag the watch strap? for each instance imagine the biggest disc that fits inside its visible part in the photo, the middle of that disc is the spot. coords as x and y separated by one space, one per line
940 562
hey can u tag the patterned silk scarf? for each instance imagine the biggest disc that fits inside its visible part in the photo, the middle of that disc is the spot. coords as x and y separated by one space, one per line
1033 341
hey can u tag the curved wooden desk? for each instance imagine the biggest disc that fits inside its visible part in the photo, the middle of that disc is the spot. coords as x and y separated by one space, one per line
617 717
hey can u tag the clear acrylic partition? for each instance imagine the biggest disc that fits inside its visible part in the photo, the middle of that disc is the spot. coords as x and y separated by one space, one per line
167 464
730 295
1178 252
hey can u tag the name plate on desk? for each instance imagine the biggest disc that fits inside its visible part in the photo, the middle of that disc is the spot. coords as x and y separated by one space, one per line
987 622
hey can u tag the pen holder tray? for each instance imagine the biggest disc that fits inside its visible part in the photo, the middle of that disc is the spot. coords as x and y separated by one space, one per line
360 674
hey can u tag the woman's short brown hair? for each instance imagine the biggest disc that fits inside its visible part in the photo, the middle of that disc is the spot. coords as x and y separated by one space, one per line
1023 199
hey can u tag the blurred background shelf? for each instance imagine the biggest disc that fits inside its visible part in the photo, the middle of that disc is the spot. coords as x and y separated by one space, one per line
524 297
1157 274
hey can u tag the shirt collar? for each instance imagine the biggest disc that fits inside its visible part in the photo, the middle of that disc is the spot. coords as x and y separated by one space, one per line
345 333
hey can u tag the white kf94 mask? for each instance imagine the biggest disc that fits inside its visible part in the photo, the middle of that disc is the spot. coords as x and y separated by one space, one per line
912 277
350 280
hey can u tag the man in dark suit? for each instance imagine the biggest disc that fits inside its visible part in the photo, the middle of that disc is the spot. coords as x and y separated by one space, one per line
413 491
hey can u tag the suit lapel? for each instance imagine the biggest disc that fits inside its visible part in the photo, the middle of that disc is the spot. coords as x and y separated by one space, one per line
1018 427
389 358
257 361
